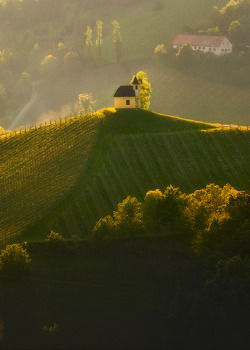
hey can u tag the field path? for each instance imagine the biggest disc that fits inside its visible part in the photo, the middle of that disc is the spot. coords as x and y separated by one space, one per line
25 109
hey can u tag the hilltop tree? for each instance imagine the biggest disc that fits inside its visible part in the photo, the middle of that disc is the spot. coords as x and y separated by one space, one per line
146 90
117 40
99 40
88 40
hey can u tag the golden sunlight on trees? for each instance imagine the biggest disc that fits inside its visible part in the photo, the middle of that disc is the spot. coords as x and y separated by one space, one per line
85 104
88 40
54 239
99 40
126 221
146 90
231 5
49 66
213 31
206 203
14 259
160 50
164 210
117 40
235 31
217 217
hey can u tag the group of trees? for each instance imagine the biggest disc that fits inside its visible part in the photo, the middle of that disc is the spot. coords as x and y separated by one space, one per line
215 223
43 40
231 20
218 216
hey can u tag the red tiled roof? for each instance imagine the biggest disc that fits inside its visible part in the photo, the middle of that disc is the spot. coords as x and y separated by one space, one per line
199 40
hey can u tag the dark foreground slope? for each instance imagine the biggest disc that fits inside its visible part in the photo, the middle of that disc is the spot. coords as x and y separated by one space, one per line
131 294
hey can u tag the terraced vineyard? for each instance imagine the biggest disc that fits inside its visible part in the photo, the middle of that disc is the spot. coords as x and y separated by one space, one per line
47 184
135 164
38 166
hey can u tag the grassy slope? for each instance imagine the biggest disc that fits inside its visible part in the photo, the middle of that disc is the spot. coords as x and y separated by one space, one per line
38 167
137 151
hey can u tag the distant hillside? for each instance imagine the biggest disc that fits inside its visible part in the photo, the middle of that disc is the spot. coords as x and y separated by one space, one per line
134 151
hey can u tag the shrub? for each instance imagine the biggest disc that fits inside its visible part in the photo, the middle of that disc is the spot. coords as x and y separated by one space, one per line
160 50
126 221
55 239
14 259
104 228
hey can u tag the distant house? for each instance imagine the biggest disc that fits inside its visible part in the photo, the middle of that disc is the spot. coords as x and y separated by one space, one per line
218 45
128 96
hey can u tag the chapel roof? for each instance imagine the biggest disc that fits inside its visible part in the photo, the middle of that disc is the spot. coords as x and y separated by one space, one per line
125 91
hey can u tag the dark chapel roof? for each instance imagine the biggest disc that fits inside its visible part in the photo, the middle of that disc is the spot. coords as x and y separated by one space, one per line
125 91
135 81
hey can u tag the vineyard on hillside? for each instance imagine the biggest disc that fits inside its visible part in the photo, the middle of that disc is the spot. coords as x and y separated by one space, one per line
38 166
136 164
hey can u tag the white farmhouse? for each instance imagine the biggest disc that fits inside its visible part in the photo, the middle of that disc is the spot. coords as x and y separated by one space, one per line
218 45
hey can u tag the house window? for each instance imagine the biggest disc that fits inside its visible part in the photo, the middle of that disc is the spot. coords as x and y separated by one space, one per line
136 87
127 102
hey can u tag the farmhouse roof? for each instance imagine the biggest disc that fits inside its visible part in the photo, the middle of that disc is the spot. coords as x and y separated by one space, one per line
199 40
135 81
125 91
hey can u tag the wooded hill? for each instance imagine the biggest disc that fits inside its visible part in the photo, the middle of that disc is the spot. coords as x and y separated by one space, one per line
67 175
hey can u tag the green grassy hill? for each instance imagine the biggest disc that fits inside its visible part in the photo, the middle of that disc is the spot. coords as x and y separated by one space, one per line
47 184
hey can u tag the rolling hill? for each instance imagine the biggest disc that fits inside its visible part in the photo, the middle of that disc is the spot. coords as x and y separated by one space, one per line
66 175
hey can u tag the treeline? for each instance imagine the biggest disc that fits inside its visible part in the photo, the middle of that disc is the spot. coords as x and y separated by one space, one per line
232 20
44 40
213 311
217 216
